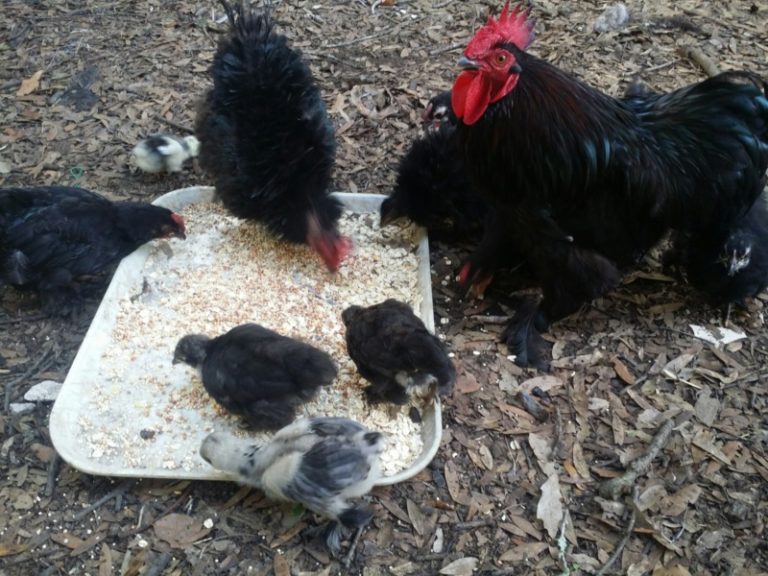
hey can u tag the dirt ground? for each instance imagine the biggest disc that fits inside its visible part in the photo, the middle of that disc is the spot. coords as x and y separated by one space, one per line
509 493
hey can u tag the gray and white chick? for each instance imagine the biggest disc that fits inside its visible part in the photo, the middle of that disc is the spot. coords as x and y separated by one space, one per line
164 153
395 352
321 463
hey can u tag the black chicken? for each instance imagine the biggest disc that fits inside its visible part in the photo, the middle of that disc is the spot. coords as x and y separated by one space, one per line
439 112
266 138
395 352
58 240
257 373
556 157
432 189
728 265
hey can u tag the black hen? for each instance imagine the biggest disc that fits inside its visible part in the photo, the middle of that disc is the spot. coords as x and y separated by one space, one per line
266 138
432 189
438 112
257 373
729 265
58 240
395 352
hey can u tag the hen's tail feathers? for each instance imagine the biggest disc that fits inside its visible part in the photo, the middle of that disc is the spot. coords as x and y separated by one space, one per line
15 268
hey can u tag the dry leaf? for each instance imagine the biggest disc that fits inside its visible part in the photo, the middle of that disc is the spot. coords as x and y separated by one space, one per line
180 530
677 503
10 549
523 552
544 383
676 570
66 539
542 449
280 566
707 407
550 507
416 516
105 565
466 383
30 84
460 567
623 372
454 485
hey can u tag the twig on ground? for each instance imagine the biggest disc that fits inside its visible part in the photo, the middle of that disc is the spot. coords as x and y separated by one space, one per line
53 470
173 124
627 534
612 488
176 503
122 487
444 49
34 369
350 557
159 564
482 522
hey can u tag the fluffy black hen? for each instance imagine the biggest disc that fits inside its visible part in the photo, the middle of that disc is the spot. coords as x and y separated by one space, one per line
322 463
257 373
555 156
728 265
58 240
439 112
395 352
266 138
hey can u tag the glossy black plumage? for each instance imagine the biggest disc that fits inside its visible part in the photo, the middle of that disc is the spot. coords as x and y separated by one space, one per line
614 175
58 240
257 373
395 352
432 189
266 138
728 265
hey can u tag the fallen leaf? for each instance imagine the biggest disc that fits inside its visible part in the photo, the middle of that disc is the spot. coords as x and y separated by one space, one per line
544 383
105 565
43 453
676 570
550 507
466 383
623 372
460 567
542 449
180 530
5 167
677 503
719 336
676 365
66 539
30 84
707 407
280 566
705 440
10 549
416 516
454 485
523 552
437 545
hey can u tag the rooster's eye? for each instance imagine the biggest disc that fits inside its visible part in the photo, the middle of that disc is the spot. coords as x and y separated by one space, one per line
501 58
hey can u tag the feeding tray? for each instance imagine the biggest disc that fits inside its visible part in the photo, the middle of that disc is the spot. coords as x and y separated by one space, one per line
125 410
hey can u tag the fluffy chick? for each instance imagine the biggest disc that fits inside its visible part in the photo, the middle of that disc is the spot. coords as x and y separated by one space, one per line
395 352
164 153
321 463
728 265
432 189
438 112
257 373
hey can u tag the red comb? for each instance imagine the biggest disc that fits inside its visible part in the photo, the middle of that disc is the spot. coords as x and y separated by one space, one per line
512 27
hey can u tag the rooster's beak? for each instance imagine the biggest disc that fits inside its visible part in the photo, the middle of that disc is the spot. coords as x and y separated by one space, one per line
467 64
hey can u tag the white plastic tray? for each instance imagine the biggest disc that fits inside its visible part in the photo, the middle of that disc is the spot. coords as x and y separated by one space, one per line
66 433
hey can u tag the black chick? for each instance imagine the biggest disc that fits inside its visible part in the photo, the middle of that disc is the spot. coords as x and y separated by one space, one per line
257 373
266 138
321 463
729 265
438 112
395 352
58 240
432 189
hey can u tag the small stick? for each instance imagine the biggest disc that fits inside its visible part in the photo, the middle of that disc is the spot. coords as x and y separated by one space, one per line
361 38
122 487
159 564
444 49
627 534
612 488
30 372
173 124
349 558
694 53
483 522
53 470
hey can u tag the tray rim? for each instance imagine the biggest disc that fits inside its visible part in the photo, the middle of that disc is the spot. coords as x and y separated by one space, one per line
64 441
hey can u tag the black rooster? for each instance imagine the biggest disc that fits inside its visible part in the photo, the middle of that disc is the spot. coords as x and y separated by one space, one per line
395 352
556 157
728 265
266 138
257 373
58 240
